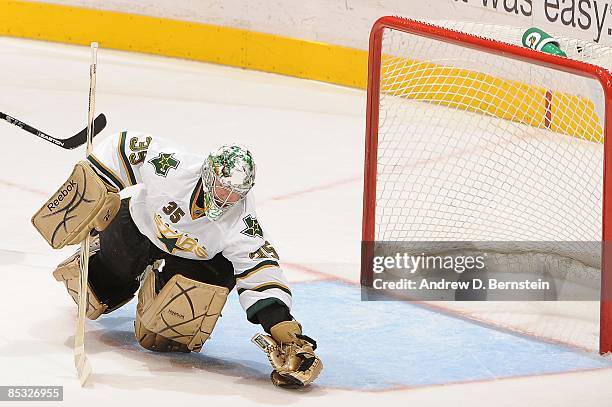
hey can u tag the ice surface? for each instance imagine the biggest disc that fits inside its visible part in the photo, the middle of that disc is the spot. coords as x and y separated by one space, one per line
308 140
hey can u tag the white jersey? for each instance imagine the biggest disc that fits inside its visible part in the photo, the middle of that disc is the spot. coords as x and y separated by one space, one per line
166 182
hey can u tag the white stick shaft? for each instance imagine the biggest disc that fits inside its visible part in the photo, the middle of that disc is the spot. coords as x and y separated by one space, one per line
91 112
80 358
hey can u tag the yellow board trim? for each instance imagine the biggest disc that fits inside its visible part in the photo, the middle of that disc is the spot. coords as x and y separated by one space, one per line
288 56
182 39
481 93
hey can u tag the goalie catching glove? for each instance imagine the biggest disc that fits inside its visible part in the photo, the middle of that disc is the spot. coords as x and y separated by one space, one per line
291 355
81 204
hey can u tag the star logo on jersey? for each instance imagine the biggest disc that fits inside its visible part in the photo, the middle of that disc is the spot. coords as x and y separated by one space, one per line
169 243
252 227
174 241
163 162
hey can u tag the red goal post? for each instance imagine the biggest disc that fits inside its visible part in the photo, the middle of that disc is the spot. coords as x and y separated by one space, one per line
439 34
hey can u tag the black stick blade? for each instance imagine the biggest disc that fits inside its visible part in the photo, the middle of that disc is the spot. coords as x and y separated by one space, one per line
69 143
81 137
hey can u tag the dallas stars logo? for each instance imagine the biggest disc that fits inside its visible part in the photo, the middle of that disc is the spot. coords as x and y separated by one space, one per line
252 227
163 162
174 241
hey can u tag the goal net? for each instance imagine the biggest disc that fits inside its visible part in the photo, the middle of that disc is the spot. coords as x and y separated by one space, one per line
475 142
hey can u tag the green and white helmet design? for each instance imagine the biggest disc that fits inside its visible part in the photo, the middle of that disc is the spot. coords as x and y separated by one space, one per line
227 176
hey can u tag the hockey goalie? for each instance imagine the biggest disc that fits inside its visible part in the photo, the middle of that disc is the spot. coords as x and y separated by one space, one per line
184 238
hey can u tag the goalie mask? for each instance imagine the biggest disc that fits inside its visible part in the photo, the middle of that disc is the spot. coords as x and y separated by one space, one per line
227 176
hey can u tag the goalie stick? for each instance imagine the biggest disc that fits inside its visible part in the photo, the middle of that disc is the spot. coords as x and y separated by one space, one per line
68 143
81 363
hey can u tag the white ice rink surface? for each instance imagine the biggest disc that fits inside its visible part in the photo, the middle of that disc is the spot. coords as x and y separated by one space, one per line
307 138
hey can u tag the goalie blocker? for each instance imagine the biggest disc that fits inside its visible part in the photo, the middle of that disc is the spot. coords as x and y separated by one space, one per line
81 204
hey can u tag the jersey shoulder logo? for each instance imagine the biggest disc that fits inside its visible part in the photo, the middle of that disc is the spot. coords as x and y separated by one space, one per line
163 162
252 227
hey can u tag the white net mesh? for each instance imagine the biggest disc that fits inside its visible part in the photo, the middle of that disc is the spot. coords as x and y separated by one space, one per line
475 146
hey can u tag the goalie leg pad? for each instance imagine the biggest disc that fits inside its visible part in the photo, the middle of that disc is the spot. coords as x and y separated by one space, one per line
68 272
100 300
82 203
180 317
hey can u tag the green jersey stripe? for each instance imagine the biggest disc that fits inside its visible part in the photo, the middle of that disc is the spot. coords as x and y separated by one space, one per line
106 172
260 266
124 159
264 287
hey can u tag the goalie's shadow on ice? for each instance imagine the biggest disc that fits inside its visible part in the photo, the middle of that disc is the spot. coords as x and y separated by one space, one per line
184 372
